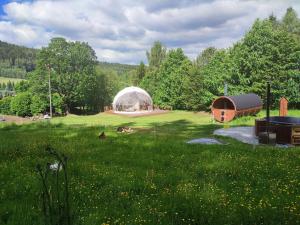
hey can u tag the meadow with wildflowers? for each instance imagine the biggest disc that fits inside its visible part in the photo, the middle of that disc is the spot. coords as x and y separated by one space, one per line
150 176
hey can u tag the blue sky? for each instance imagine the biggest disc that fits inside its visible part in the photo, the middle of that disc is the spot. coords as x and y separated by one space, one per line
122 30
3 2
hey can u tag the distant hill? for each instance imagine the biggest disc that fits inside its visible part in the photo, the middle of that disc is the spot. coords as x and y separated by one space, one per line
119 68
16 61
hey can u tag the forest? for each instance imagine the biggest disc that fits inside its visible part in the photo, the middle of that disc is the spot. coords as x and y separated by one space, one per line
16 61
268 52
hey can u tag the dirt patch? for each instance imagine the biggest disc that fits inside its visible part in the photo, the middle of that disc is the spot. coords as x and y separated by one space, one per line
15 119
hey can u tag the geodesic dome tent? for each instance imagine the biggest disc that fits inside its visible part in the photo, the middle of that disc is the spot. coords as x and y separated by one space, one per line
132 99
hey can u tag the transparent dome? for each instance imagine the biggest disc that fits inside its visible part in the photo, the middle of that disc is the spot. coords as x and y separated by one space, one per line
132 99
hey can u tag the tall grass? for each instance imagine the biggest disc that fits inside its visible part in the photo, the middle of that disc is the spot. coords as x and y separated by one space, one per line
150 176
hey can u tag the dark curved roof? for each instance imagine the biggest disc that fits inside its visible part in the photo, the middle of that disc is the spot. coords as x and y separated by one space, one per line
245 101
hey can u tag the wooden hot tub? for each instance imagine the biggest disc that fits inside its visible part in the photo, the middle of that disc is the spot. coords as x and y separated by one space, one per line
287 128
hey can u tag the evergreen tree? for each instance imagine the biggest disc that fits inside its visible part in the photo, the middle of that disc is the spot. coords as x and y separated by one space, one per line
194 91
156 55
141 71
215 74
9 86
171 78
291 21
265 54
205 56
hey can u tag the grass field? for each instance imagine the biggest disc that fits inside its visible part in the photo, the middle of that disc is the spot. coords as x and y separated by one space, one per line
6 79
150 176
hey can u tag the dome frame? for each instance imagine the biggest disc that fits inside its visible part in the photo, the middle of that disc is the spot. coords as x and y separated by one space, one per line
132 99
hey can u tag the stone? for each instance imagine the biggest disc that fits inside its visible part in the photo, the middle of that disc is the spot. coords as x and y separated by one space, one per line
207 141
243 134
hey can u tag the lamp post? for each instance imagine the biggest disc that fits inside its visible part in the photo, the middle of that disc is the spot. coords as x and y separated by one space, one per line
49 84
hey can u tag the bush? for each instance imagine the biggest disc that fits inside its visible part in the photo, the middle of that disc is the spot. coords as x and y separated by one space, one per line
20 104
38 105
57 103
22 86
5 105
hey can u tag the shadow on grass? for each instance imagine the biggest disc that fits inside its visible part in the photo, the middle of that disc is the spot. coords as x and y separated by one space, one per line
150 176
175 130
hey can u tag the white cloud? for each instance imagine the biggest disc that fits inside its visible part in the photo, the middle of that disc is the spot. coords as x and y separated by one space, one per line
122 31
23 34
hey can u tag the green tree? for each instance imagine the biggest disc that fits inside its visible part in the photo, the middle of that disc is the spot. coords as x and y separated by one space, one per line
205 56
273 20
141 71
264 54
5 105
291 21
22 86
156 55
16 61
71 66
20 104
38 105
150 82
9 86
171 78
57 103
215 74
106 85
292 91
194 91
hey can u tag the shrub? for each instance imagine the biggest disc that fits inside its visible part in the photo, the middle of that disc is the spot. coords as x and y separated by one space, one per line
22 86
57 103
20 104
38 105
5 105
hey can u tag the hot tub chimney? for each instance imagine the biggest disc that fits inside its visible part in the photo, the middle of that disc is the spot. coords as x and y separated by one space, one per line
268 101
268 111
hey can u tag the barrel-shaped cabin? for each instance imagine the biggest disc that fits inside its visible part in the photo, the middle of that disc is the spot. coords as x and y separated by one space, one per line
226 108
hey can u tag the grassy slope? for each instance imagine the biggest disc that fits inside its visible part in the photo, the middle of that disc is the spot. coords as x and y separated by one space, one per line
150 176
6 79
106 119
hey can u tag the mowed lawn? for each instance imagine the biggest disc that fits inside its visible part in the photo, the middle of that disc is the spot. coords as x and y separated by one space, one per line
150 176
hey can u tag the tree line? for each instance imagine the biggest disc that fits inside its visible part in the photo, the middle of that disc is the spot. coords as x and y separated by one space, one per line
119 68
16 61
78 84
9 86
269 52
